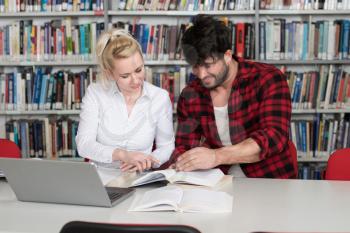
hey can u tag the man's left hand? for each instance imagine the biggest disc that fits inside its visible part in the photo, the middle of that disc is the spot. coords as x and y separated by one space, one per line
197 158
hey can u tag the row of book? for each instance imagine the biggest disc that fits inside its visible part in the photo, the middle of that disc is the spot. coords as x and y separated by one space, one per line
41 89
30 40
163 42
14 6
305 4
158 41
279 39
320 136
311 171
172 80
242 38
55 138
328 88
184 5
44 138
304 40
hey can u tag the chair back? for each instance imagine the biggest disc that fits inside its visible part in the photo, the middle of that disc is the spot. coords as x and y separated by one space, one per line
293 152
9 149
92 227
338 165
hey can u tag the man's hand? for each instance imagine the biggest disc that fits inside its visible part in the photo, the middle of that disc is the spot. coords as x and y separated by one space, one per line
197 158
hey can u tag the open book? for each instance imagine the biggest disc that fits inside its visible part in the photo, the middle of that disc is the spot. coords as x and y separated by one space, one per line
173 198
203 177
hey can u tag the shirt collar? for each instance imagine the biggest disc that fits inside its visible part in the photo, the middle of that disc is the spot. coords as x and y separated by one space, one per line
145 89
240 61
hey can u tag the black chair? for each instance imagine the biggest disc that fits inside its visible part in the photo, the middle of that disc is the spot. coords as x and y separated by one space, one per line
92 227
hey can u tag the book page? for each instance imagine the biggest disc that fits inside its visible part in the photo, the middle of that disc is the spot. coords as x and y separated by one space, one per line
206 201
124 180
208 177
160 199
154 176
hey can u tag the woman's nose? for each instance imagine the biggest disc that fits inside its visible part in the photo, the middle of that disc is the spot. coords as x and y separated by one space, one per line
136 79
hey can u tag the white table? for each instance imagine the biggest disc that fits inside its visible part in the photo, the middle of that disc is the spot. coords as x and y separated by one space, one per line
259 205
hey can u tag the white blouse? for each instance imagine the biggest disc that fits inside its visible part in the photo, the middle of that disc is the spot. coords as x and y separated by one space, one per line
104 124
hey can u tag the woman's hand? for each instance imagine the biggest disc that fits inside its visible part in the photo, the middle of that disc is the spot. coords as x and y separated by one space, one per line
135 161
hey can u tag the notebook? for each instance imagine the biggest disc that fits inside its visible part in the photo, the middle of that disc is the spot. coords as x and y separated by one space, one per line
63 182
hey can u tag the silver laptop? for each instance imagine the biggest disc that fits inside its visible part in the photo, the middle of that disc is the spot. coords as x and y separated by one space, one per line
60 182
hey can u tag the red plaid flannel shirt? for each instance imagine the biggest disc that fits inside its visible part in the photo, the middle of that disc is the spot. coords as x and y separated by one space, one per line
259 107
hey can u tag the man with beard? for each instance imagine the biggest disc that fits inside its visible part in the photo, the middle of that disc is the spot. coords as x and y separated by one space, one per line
236 114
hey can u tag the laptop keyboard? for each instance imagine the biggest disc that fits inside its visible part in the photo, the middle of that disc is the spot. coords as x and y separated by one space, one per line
118 193
114 196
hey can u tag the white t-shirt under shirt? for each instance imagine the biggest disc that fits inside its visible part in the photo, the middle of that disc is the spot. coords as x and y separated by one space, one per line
104 124
222 124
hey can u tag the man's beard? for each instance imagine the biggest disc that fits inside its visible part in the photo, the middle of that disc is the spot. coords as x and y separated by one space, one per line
220 78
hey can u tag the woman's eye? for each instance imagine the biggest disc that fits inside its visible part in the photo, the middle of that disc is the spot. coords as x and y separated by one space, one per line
138 70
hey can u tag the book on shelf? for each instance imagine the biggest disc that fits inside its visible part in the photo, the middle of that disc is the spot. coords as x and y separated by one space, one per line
174 198
319 137
163 42
208 178
12 6
242 35
305 5
39 89
328 88
172 80
49 41
303 40
311 171
44 137
184 5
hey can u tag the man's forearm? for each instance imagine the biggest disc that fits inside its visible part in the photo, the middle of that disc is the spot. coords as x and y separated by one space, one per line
246 151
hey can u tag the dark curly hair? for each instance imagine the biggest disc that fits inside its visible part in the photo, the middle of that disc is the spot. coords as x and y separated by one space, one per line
208 37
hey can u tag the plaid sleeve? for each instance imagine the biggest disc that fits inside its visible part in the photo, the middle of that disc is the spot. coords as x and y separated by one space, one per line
274 114
189 131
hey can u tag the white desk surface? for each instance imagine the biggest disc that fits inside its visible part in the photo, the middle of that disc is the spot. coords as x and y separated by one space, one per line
258 205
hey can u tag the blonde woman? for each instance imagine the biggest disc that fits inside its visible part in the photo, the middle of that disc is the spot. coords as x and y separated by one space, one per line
122 115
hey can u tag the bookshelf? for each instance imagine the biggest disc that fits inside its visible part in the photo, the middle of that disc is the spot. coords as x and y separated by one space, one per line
180 13
311 163
304 12
52 14
307 62
69 63
254 15
41 112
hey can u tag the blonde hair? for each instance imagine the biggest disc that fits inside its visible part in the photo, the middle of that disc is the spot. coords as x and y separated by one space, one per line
114 44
